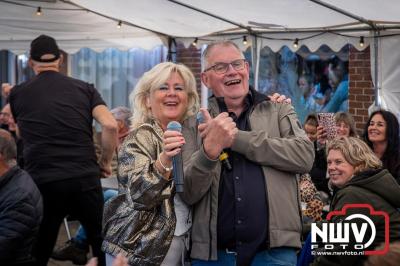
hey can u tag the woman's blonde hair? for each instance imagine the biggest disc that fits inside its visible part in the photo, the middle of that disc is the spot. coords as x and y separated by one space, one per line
356 152
152 80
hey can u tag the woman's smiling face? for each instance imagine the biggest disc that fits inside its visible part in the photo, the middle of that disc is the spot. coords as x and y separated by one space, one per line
377 129
340 171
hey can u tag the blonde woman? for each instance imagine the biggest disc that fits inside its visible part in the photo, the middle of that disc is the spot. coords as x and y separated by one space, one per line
147 222
357 178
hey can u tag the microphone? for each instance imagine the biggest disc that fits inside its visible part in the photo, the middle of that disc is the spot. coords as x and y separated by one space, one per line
177 162
223 157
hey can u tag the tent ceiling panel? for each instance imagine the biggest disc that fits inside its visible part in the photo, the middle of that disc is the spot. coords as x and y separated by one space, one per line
387 10
71 27
160 15
285 13
174 19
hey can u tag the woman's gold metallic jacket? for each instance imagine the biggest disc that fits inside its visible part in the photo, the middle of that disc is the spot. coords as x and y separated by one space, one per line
140 221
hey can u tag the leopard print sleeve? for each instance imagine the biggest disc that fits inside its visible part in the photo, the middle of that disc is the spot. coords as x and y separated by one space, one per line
310 196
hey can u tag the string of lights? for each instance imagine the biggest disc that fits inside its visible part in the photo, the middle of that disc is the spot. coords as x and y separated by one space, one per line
41 7
295 41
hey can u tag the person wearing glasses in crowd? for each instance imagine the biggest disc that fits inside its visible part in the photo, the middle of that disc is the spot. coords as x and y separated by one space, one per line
248 214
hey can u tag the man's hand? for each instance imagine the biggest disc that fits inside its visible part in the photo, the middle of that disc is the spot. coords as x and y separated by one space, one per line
203 126
277 98
217 133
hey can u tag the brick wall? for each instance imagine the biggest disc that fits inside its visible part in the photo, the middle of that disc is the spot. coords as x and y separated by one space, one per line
361 92
191 57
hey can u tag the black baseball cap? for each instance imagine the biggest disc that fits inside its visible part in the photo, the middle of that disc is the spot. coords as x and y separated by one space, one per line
44 45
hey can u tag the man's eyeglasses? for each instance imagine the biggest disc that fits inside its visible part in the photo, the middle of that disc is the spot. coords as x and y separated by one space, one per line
222 68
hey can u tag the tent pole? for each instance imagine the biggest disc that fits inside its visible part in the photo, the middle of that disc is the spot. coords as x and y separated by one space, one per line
375 47
256 60
376 67
171 56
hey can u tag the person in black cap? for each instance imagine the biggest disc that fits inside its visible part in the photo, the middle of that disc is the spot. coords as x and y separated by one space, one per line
55 114
44 49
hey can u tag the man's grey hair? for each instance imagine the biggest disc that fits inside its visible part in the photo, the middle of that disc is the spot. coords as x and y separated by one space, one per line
8 148
3 85
123 114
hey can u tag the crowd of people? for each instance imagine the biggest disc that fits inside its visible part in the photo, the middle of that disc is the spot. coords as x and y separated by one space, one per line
254 179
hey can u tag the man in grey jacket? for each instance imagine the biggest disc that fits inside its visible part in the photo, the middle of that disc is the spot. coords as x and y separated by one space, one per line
248 214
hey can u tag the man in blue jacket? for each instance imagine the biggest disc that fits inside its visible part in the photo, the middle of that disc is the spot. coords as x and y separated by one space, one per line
20 207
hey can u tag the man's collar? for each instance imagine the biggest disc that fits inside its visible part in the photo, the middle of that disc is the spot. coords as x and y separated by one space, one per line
253 97
257 97
8 175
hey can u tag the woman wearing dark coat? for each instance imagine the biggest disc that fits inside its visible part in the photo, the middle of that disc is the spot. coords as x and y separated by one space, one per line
357 177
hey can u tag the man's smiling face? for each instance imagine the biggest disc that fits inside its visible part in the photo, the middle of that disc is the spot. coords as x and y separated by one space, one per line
233 85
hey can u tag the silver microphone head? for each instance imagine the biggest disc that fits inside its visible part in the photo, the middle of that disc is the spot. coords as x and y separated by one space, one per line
174 126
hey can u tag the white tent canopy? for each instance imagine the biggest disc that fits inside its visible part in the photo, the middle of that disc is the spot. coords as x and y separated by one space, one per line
276 19
92 23
274 23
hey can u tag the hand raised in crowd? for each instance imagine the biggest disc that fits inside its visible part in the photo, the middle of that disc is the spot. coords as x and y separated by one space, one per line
278 98
217 133
321 135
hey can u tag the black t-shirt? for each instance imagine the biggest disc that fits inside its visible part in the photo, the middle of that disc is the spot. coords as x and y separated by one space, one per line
54 116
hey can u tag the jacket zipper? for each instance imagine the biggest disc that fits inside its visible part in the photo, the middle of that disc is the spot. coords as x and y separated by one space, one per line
268 242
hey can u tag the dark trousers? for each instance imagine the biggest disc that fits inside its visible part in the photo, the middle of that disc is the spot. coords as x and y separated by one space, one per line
81 198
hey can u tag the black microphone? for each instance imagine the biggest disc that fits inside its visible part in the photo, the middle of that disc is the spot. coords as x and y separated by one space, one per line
177 162
223 157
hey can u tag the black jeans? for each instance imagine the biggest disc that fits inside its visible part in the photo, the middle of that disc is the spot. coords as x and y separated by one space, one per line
81 198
